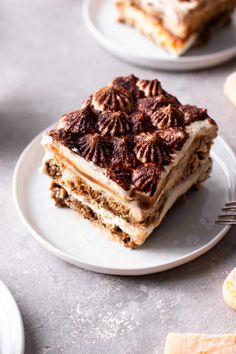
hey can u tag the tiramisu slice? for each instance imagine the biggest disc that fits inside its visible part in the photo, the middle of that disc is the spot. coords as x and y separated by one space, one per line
175 24
124 158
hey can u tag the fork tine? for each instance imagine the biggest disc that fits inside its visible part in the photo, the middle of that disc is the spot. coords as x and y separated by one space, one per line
233 203
229 209
227 216
226 222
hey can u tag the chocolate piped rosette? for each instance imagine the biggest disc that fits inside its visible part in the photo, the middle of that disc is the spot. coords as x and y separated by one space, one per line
127 155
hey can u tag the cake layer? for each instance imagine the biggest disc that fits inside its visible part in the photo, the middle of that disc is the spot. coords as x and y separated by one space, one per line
134 205
175 25
64 174
63 199
136 233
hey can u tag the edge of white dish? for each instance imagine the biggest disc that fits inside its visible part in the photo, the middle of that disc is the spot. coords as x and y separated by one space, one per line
19 342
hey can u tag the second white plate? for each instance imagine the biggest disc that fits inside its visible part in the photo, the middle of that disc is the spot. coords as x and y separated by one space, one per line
188 231
11 325
128 44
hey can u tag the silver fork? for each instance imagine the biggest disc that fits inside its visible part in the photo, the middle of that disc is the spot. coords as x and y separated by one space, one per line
229 216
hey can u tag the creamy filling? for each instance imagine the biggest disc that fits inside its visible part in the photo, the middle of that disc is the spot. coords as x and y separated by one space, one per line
66 177
94 176
138 233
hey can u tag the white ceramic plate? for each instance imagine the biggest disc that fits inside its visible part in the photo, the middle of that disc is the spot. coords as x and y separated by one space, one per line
128 44
11 325
187 232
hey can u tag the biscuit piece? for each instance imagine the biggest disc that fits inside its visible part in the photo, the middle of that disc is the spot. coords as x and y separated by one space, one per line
229 289
200 344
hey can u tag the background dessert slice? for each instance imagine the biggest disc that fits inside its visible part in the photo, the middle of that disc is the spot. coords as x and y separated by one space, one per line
175 25
126 156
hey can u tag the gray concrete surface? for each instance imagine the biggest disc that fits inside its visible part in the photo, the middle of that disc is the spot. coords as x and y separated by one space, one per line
48 64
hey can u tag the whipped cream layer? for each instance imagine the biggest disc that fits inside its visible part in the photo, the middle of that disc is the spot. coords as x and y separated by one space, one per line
132 199
139 233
